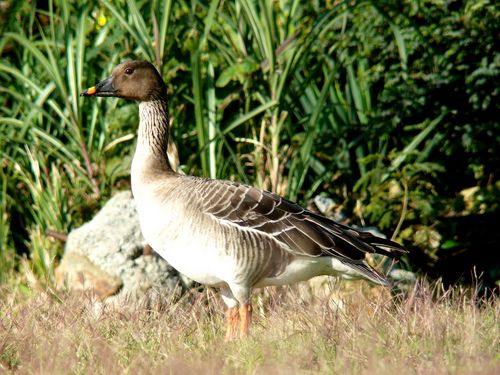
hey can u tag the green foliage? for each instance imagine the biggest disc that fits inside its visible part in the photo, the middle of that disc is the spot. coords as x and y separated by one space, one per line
389 107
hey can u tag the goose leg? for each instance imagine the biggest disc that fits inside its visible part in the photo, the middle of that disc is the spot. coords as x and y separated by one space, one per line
232 320
242 294
232 296
245 319
232 314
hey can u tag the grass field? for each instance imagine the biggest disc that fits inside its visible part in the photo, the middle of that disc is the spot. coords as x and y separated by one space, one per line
428 331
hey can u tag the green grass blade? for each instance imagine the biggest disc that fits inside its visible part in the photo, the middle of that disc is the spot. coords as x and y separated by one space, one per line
248 116
211 121
164 22
143 46
416 141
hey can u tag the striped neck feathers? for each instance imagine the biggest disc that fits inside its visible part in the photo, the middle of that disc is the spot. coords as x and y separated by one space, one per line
154 130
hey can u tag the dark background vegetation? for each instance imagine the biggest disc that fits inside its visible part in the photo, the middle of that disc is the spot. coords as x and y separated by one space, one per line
390 108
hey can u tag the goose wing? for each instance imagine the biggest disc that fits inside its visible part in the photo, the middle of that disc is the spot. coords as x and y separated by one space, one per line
296 229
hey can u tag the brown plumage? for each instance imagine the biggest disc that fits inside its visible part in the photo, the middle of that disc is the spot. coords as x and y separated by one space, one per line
225 234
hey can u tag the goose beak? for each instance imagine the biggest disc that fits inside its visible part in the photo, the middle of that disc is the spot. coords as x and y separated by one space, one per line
88 92
103 88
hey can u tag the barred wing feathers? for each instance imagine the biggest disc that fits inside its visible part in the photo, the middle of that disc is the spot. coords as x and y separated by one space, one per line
294 228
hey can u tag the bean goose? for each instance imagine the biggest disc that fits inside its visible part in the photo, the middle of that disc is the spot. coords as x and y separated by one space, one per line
225 234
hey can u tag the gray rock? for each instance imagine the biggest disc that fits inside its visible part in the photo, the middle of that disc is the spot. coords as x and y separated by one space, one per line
403 276
325 204
328 207
112 241
77 272
402 280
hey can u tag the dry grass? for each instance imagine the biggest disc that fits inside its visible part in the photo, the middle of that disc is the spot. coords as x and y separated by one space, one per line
430 331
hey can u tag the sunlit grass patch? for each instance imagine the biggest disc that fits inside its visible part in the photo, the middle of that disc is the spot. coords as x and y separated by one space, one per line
423 333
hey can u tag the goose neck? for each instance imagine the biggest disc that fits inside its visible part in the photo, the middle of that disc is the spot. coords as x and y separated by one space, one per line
154 130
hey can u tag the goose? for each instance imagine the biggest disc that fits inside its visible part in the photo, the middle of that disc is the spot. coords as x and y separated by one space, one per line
225 234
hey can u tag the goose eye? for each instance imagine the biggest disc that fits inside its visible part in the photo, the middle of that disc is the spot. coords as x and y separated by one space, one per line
129 71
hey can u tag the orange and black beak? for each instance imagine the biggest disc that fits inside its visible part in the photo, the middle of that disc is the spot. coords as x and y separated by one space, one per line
103 88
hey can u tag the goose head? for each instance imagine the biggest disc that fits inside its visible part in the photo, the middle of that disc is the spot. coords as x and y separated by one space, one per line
132 80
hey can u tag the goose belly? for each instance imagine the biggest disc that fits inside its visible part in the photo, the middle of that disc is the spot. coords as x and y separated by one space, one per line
185 247
199 265
303 268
